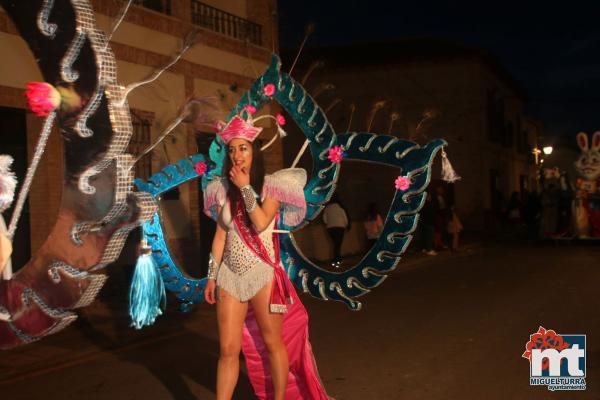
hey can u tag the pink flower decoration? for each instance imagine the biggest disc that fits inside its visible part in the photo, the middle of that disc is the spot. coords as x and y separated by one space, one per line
201 168
42 98
402 183
280 119
336 154
218 125
250 109
269 90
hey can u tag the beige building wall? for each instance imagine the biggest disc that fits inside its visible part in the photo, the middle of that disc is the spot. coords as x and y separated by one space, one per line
145 41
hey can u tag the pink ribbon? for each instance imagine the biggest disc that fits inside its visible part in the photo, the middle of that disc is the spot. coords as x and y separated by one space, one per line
280 292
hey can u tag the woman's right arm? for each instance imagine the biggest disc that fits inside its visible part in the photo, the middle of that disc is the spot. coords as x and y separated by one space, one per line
216 255
218 244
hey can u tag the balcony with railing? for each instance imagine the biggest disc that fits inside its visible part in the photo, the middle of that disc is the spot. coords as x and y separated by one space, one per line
161 6
225 23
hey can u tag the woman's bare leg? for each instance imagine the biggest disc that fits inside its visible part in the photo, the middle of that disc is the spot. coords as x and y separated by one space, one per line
270 325
230 317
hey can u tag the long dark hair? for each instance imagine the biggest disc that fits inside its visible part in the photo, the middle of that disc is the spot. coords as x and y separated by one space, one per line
257 172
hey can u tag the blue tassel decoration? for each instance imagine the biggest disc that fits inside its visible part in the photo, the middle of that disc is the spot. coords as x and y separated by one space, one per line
147 296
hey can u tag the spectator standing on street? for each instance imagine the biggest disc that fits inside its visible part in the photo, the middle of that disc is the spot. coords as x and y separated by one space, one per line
565 200
336 221
441 218
498 208
549 219
454 228
427 221
373 224
531 212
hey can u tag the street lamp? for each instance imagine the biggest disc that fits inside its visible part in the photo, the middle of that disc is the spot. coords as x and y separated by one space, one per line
547 150
536 153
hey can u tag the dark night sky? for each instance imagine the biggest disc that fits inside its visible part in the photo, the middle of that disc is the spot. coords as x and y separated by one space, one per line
552 50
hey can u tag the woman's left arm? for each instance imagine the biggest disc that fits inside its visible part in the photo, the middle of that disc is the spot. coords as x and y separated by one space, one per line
262 216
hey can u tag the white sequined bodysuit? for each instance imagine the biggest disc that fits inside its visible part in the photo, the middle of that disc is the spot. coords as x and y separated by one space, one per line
242 274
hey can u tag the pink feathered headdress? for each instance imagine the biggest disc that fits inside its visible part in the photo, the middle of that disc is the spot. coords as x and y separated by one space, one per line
239 128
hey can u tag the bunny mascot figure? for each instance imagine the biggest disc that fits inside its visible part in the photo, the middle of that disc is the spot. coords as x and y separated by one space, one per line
587 219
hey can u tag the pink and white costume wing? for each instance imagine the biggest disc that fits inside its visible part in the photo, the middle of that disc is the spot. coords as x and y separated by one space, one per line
287 186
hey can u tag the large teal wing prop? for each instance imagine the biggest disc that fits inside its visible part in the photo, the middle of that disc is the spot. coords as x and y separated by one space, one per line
408 157
187 289
413 161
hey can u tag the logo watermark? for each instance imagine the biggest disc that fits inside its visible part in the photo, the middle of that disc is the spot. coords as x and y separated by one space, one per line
556 361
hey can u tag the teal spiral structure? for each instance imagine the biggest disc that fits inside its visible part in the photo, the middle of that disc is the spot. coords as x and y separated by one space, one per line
409 158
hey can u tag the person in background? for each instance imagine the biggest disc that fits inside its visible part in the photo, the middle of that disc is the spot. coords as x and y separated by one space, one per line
549 218
442 217
373 224
336 221
565 200
454 228
581 219
498 208
427 219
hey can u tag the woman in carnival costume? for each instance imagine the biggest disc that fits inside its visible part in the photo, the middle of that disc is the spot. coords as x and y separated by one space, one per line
258 310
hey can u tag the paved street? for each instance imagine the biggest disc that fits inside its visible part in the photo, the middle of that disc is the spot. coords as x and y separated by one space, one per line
447 327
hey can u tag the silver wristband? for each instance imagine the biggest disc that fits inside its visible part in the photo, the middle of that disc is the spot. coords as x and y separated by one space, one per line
248 197
213 268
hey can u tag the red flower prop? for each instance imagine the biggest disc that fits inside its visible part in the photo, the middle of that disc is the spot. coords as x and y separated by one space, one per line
402 183
269 90
201 168
544 339
42 98
336 154
280 119
250 109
